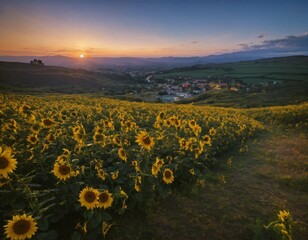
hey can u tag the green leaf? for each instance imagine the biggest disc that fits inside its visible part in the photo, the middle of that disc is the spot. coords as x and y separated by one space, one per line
76 236
43 225
18 204
106 217
50 235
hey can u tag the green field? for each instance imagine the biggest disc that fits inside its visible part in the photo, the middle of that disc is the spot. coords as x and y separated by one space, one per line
259 71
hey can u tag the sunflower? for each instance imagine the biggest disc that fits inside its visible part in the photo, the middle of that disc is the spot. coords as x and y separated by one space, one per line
136 165
197 130
101 173
182 143
51 138
47 123
212 131
138 181
35 128
32 119
192 171
105 199
159 162
284 215
66 152
207 139
7 162
76 129
63 171
155 169
167 123
21 227
99 138
88 197
115 175
25 109
32 139
168 176
144 140
160 116
116 140
192 123
122 154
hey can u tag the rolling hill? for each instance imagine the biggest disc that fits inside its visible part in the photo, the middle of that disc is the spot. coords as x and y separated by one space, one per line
25 77
269 82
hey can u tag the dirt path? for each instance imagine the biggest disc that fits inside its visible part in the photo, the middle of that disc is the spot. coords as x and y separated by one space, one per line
270 176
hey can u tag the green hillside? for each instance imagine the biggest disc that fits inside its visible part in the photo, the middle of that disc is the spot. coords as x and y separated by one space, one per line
22 77
266 82
259 71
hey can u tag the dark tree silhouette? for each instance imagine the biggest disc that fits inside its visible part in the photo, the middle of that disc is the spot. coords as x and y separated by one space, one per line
37 62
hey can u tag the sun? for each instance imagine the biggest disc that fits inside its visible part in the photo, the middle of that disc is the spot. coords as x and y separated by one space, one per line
81 56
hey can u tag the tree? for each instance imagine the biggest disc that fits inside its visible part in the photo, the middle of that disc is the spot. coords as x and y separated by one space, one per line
37 62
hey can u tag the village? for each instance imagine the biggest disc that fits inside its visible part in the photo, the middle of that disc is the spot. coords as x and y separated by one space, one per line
149 87
173 89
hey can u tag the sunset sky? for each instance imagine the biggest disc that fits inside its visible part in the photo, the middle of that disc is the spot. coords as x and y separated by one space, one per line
153 28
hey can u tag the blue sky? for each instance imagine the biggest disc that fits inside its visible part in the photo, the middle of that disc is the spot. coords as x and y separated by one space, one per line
147 28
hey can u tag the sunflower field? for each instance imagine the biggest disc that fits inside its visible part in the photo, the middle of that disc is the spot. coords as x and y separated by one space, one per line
71 165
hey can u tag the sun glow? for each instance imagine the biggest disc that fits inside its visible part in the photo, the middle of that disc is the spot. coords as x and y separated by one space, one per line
81 56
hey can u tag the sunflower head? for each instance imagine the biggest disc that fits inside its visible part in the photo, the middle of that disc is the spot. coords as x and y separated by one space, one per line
182 143
122 154
101 174
63 171
99 138
144 140
32 139
160 116
135 163
88 197
155 169
35 128
7 162
20 227
192 123
138 182
47 123
159 162
116 140
115 175
168 176
207 139
105 199
212 131
51 138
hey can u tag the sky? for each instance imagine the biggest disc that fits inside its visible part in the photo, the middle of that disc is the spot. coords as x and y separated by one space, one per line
151 28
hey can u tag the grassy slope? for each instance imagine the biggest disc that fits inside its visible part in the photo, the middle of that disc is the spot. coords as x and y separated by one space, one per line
287 93
286 68
25 77
270 177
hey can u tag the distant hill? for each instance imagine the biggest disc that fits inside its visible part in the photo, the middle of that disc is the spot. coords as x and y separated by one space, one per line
26 77
124 63
256 71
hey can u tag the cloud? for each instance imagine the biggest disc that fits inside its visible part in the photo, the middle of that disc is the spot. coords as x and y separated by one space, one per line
194 42
261 35
243 45
295 44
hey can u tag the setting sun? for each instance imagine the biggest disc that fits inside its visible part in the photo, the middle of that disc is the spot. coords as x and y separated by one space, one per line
81 56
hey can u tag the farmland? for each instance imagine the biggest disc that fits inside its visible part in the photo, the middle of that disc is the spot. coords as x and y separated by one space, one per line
259 71
87 161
